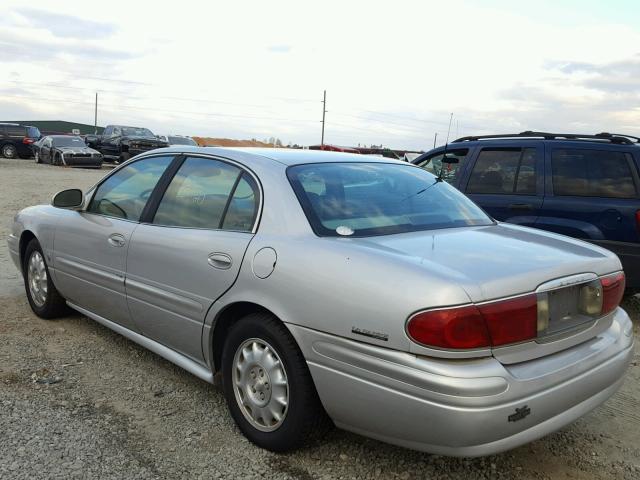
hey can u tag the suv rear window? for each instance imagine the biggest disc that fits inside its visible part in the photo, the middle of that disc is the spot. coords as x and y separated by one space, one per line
504 171
33 132
367 199
593 173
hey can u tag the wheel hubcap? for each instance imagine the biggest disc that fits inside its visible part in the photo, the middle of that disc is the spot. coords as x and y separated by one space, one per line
8 151
37 279
261 386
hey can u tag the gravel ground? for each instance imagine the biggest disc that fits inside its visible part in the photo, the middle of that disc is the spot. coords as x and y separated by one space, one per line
79 401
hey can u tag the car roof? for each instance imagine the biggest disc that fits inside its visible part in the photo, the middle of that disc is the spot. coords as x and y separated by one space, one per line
286 156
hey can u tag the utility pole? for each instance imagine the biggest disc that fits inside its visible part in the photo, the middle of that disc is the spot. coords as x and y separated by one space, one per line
324 110
95 117
435 137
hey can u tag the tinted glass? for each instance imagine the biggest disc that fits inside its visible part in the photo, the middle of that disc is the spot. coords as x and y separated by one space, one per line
16 131
364 199
504 171
135 132
450 173
125 193
198 194
68 142
592 173
181 141
243 206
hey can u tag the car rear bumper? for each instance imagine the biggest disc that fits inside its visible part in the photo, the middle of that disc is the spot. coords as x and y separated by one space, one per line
463 407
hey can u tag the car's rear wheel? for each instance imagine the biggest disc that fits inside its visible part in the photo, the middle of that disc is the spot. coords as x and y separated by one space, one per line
57 159
268 386
36 155
44 298
9 151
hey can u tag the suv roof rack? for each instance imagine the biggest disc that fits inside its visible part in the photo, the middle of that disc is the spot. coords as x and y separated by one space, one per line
604 136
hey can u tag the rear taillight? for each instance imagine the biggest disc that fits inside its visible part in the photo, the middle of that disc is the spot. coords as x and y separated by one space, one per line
28 141
612 291
638 220
458 327
477 326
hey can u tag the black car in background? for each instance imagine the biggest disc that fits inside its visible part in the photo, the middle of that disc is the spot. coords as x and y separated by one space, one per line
16 140
583 186
68 150
119 143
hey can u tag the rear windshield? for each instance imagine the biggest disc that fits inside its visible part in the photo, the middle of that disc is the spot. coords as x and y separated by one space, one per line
68 142
366 199
33 132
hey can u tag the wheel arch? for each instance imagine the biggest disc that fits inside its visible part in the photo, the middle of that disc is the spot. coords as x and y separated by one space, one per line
223 321
25 238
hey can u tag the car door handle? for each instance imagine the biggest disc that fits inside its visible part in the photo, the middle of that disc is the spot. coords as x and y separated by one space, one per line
116 240
521 206
220 260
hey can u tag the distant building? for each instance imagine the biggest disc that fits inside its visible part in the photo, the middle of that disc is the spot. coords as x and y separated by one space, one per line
60 127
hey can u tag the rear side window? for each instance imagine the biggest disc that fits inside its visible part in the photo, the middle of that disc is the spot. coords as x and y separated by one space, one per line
593 173
207 193
125 193
504 171
450 173
16 131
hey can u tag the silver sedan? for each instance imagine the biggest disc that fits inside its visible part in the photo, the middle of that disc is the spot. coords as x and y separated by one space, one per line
323 288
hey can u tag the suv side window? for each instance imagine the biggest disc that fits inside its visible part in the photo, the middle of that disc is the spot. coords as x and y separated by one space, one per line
125 193
593 173
107 131
505 171
16 131
208 193
433 164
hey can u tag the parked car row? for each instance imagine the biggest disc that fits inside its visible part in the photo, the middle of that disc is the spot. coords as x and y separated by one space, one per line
116 144
366 291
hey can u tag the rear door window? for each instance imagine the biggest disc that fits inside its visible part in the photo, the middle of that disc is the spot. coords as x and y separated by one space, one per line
211 194
433 164
505 171
593 173
16 131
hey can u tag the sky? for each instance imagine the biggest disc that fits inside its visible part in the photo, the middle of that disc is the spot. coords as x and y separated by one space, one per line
393 71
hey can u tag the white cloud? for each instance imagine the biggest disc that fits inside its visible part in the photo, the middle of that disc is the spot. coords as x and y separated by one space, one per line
393 70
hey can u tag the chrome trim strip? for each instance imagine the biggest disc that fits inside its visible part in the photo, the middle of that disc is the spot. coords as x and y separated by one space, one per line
566 282
174 357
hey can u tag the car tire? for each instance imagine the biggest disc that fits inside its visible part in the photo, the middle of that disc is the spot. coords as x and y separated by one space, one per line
44 299
124 156
9 151
265 373
37 157
57 159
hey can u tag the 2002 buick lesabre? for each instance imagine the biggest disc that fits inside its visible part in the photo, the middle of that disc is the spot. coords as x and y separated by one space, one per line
315 283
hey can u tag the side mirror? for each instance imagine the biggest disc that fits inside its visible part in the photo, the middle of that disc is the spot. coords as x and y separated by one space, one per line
72 199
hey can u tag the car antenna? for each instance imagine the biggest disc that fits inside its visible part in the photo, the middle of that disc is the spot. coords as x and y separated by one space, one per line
444 153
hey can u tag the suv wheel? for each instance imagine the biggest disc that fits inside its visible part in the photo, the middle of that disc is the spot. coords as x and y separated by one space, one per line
9 151
268 386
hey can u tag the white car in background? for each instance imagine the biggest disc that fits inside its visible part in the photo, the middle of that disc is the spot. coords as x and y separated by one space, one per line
178 140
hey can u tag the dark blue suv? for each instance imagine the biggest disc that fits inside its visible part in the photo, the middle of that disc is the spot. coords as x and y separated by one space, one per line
584 186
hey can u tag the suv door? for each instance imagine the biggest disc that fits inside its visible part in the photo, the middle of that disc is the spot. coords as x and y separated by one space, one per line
190 251
507 181
90 246
593 193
